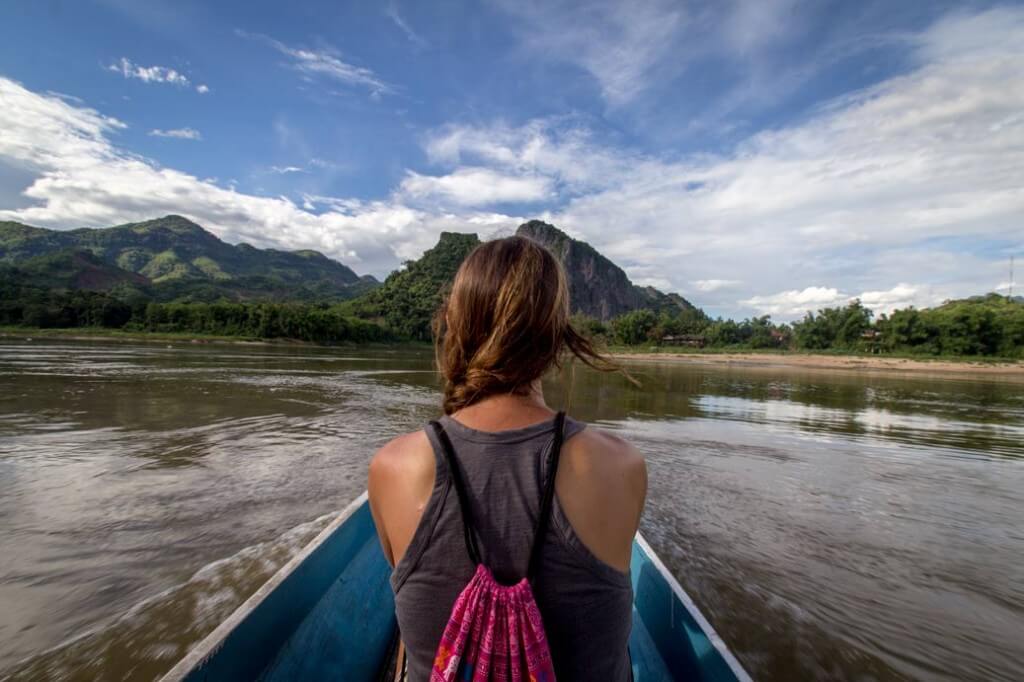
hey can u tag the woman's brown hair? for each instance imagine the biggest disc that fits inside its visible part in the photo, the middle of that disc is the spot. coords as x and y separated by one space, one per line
505 323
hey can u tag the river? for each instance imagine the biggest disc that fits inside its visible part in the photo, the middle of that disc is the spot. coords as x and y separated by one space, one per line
831 525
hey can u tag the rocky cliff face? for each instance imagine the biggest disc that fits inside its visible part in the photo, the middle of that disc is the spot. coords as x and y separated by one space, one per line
598 287
407 300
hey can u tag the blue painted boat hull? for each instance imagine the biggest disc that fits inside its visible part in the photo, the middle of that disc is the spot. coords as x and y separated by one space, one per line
329 614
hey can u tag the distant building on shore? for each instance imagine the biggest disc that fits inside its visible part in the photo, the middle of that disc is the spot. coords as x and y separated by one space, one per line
691 340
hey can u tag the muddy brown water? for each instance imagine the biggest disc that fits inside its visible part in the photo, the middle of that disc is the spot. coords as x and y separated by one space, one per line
831 525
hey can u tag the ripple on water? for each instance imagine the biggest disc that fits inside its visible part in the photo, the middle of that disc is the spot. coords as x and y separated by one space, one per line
830 526
870 565
154 634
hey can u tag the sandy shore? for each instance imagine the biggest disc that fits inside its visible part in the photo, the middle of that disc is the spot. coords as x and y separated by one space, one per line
835 362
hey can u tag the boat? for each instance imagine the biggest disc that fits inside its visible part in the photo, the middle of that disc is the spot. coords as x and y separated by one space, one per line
328 614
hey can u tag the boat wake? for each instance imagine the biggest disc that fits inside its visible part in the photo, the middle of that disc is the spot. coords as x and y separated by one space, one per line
153 635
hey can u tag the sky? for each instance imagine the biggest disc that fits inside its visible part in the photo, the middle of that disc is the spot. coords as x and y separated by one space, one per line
756 156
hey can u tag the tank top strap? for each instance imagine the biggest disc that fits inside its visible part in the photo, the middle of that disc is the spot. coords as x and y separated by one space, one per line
547 494
544 517
468 527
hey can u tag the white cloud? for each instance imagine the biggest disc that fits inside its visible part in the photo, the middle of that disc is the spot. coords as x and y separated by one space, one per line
179 133
639 48
69 98
314 165
414 37
46 132
900 296
662 283
476 187
964 35
708 285
619 44
148 74
342 204
898 182
202 88
334 167
325 62
558 148
752 25
795 303
83 179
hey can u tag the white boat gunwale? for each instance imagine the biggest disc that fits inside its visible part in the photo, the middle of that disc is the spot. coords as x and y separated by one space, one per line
717 642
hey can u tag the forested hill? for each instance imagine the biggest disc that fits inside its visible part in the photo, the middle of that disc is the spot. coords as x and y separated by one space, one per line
173 259
597 287
407 300
170 258
171 276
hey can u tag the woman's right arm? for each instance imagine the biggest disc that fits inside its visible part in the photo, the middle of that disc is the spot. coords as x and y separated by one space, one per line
399 483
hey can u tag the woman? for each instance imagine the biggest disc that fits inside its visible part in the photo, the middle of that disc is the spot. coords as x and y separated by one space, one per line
504 325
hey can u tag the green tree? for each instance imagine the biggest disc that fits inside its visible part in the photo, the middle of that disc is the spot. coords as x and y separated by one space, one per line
590 327
840 328
760 333
634 327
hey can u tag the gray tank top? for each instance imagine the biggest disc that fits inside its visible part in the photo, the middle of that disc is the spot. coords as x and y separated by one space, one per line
586 605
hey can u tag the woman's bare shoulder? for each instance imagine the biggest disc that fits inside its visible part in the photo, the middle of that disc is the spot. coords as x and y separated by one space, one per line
400 482
602 485
405 455
599 454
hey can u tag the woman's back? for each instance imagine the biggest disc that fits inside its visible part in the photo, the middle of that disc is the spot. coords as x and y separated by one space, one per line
585 603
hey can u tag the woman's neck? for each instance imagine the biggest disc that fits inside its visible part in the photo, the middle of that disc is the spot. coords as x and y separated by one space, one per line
506 411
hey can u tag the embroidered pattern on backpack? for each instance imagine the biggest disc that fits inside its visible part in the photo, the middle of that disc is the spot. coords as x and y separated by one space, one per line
495 632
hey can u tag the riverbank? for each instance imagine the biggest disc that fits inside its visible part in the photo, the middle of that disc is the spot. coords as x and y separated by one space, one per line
943 365
117 335
995 367
85 334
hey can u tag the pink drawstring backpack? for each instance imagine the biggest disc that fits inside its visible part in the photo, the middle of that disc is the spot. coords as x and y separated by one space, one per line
495 631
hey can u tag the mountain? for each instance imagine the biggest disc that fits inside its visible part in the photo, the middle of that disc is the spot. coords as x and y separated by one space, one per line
74 269
598 287
172 258
407 300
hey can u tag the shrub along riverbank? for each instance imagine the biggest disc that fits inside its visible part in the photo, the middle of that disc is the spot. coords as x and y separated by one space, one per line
92 310
982 327
989 326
